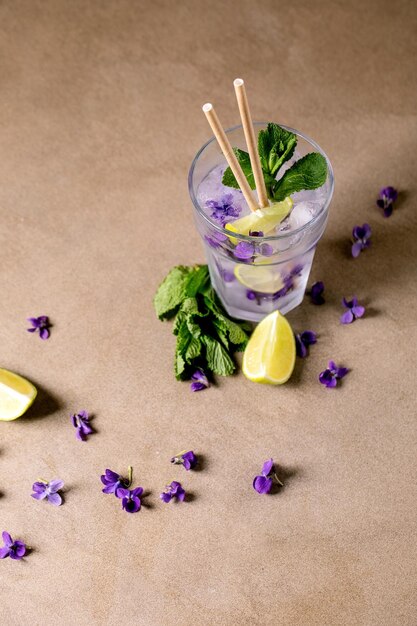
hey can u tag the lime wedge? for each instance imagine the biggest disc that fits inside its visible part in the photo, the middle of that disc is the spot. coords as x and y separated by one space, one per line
16 395
259 278
269 357
262 220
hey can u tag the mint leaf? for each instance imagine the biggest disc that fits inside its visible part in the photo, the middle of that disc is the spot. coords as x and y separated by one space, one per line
171 292
244 160
218 361
193 350
235 333
179 367
275 146
309 172
243 157
198 281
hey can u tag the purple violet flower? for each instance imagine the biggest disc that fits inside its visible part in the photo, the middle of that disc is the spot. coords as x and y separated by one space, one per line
303 340
354 310
244 250
174 490
215 239
81 421
114 482
41 324
387 197
332 374
224 210
16 550
131 501
263 483
361 236
187 459
49 490
316 293
199 381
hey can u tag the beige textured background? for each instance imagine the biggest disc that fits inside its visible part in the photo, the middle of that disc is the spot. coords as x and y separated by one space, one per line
100 113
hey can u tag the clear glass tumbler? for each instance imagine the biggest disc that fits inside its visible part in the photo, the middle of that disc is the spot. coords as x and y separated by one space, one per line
276 273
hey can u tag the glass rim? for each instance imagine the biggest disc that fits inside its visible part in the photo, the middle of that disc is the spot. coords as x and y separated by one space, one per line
330 178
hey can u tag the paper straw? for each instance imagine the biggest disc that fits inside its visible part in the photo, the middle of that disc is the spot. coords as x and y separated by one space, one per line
229 155
248 129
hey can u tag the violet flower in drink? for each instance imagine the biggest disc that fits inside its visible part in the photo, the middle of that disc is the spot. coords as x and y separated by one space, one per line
173 491
361 236
187 459
316 293
332 374
224 210
199 381
244 250
43 489
131 501
16 550
387 197
353 310
263 483
303 341
81 421
40 324
215 239
113 481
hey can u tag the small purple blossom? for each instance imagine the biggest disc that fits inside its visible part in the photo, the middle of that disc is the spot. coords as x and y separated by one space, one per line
316 293
187 459
43 489
131 501
199 381
41 324
215 239
224 210
332 374
16 550
263 483
81 421
387 197
303 340
173 491
114 482
361 236
353 312
244 250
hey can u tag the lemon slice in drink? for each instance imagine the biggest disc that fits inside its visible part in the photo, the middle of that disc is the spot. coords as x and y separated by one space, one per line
16 395
269 357
262 220
259 278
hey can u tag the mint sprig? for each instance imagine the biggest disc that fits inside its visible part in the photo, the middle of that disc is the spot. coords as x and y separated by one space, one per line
276 146
206 336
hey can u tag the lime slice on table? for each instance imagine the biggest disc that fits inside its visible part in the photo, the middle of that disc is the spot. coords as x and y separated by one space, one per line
269 357
259 278
16 395
262 220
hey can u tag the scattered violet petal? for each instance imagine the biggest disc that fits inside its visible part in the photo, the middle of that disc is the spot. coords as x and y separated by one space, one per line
316 293
303 341
16 550
48 490
115 483
199 381
387 197
263 483
40 324
361 239
332 374
187 459
244 250
80 421
354 311
173 491
131 501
